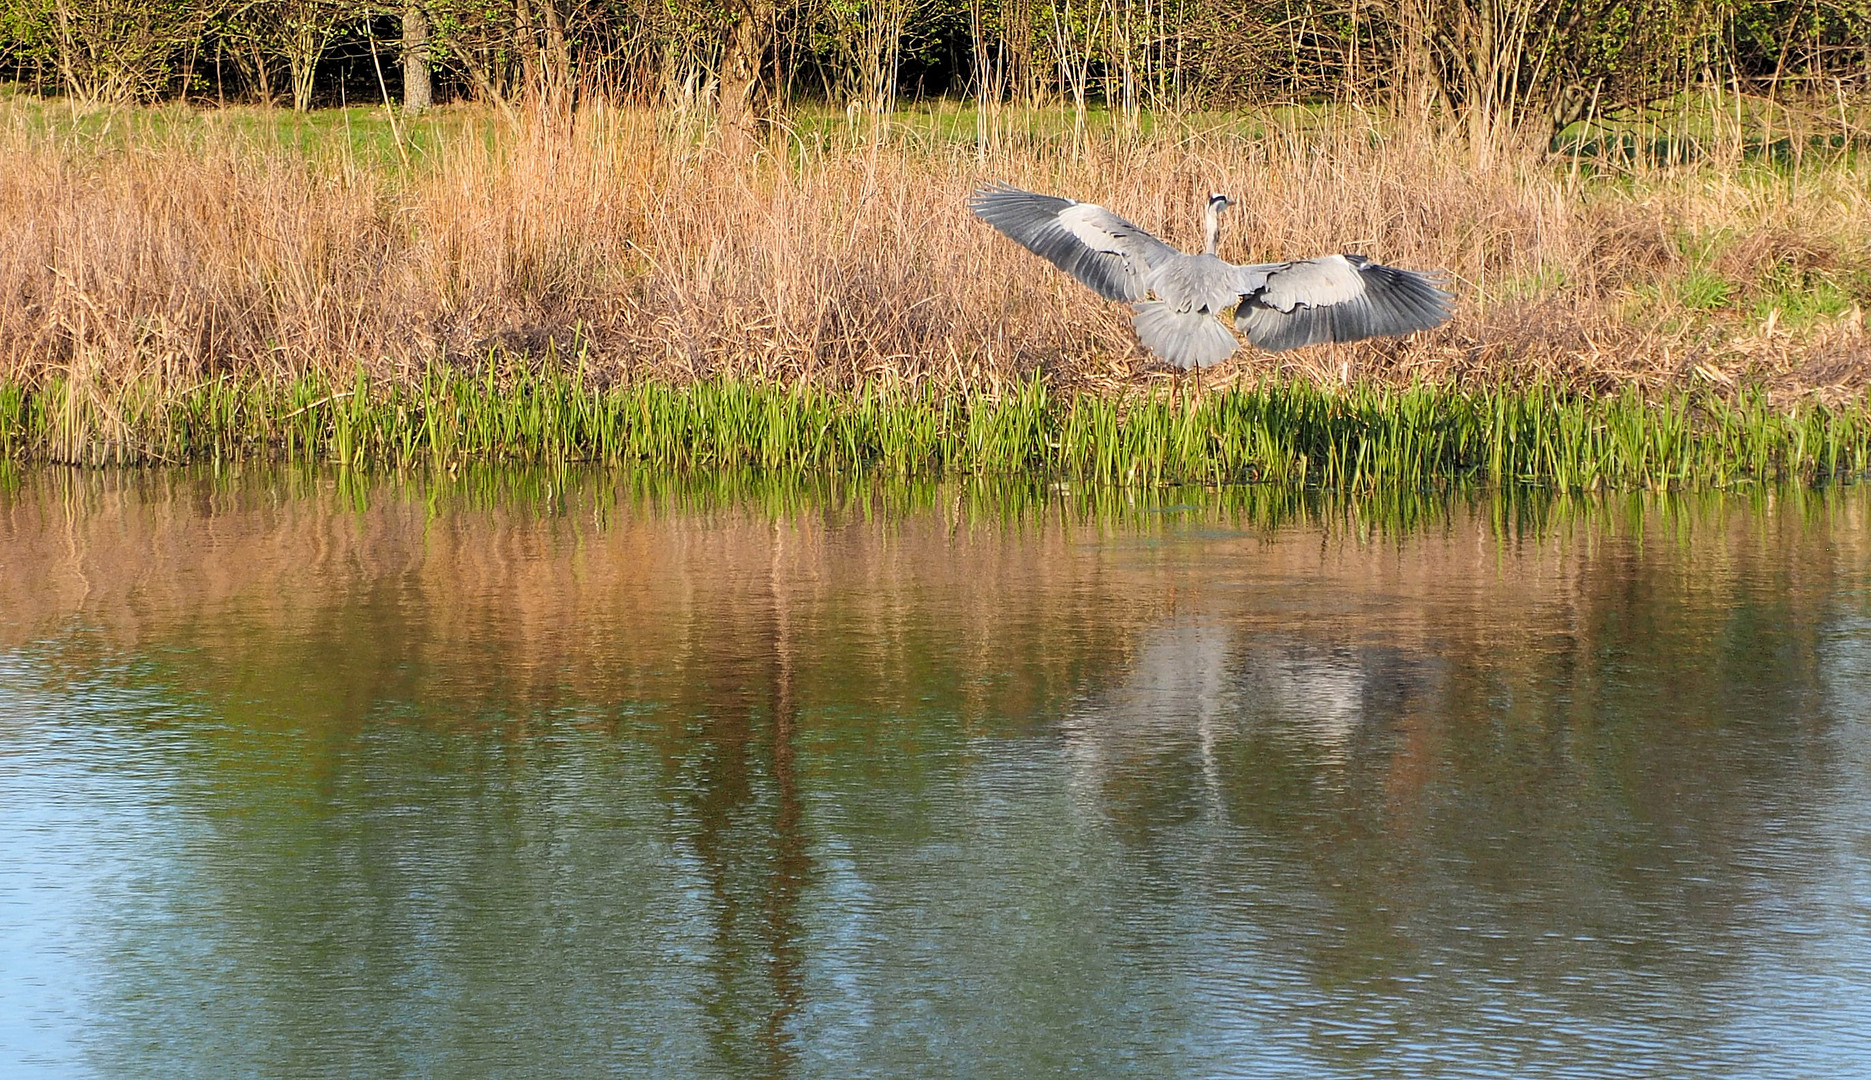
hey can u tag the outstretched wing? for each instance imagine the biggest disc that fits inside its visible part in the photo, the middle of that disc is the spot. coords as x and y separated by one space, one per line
1336 298
1087 241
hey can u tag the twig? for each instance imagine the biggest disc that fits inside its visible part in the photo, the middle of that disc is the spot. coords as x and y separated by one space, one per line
316 404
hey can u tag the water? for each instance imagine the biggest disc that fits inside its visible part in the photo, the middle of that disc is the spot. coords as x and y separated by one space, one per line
517 775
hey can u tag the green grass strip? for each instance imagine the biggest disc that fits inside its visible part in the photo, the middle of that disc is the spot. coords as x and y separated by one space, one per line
1356 438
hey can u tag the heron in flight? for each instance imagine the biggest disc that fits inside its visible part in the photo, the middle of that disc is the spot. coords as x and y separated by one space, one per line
1279 306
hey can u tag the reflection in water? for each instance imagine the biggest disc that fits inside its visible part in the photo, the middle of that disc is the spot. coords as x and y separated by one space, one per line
754 881
563 775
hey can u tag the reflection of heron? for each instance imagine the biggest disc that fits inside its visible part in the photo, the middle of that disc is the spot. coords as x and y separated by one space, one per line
1321 697
1278 306
1193 685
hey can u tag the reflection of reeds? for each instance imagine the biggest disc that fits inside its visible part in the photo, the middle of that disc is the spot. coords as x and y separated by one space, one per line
1002 599
1356 437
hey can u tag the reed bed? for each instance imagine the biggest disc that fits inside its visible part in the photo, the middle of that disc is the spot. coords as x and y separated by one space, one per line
187 245
1362 437
610 286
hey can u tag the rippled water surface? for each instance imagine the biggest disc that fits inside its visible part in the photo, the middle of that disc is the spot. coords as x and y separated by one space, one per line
303 775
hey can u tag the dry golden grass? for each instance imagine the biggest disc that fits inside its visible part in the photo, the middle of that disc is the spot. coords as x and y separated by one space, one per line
199 246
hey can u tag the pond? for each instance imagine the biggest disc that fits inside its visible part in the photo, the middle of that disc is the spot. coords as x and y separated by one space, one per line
510 774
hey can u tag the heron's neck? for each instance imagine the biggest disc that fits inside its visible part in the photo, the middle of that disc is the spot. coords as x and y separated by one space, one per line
1212 218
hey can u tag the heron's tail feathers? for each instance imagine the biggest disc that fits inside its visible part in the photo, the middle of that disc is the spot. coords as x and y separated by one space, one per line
1184 338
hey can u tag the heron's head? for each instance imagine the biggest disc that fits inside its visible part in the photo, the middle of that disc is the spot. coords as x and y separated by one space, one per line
1219 202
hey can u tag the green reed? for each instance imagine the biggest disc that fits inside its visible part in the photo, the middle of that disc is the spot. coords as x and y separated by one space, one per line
1362 437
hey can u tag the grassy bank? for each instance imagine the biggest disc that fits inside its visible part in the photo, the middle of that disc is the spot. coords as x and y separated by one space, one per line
1285 431
184 284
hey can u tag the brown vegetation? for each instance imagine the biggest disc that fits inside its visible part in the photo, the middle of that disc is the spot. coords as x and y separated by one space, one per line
179 247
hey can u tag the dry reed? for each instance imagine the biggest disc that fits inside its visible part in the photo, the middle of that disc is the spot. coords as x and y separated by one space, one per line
187 246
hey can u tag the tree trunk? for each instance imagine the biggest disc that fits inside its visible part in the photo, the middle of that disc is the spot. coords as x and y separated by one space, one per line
740 72
417 92
558 53
303 48
528 45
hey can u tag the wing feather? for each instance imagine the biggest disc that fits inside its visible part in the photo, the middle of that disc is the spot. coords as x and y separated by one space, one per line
1336 298
1094 245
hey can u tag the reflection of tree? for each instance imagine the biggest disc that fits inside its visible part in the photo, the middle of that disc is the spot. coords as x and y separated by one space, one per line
792 862
751 843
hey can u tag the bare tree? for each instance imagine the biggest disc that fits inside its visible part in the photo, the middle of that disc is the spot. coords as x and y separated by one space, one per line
749 37
115 50
417 92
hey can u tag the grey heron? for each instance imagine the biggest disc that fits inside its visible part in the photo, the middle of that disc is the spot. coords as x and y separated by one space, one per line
1279 306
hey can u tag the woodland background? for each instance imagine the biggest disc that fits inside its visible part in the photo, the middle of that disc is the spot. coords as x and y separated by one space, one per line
1537 64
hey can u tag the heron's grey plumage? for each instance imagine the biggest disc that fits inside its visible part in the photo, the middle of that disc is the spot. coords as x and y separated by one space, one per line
1338 298
1184 338
1085 240
1195 283
1278 306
